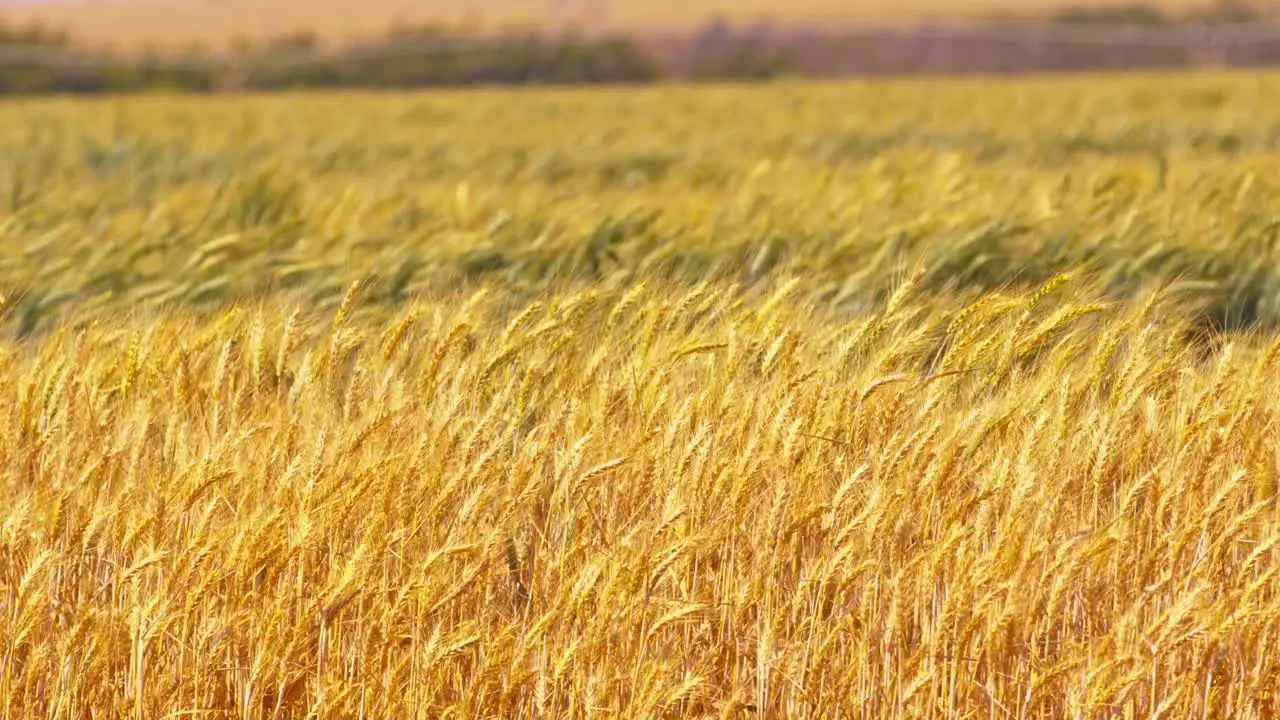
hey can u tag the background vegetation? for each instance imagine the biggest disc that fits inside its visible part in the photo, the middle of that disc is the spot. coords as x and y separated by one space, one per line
137 24
37 60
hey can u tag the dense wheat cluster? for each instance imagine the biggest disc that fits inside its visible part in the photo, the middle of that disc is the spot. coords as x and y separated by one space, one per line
896 400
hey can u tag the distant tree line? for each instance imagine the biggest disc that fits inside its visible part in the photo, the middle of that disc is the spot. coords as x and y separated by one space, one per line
1222 11
35 60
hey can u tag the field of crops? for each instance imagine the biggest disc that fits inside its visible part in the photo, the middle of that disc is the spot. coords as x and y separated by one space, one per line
923 399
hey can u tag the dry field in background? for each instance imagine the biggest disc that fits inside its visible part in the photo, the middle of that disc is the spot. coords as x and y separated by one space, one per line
862 400
159 23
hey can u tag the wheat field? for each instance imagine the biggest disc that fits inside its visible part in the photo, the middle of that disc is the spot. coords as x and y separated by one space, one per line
930 399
